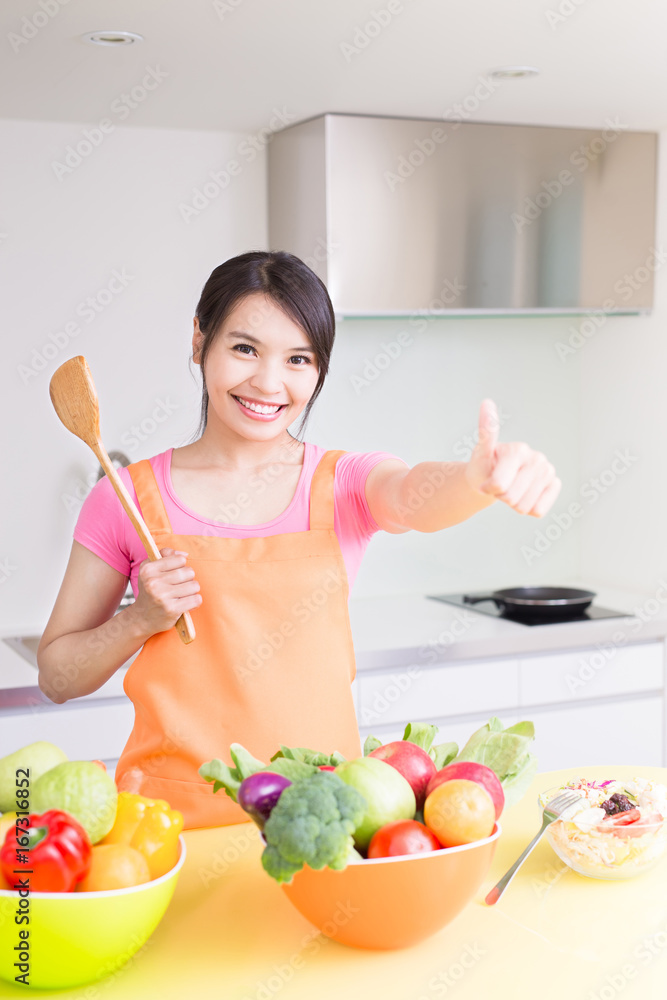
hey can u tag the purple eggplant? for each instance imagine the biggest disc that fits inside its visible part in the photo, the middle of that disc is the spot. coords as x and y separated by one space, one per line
258 794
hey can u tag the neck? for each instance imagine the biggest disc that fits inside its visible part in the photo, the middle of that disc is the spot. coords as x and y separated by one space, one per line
219 446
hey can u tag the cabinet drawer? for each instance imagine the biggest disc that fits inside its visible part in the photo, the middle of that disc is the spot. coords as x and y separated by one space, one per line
590 673
83 733
628 732
417 693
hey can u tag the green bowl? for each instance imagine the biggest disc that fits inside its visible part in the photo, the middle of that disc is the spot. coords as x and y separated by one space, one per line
81 937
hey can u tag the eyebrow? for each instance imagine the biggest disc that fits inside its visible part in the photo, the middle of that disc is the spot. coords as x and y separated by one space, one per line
249 336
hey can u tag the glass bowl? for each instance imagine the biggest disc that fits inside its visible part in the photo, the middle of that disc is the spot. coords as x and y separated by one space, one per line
607 852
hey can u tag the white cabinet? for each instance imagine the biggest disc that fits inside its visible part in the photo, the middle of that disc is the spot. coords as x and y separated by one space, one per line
602 704
614 733
84 732
595 672
427 693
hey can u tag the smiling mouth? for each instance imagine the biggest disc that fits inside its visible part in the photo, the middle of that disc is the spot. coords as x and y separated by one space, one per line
260 407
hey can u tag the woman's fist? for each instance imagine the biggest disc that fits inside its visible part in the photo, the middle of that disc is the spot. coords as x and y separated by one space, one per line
166 589
512 472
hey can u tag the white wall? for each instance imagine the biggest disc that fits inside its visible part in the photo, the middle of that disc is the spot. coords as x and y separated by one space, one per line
624 408
120 210
62 241
424 406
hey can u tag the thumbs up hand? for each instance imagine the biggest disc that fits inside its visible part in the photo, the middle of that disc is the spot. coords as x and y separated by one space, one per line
512 472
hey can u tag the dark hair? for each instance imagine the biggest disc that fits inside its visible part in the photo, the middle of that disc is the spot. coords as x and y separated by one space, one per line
290 284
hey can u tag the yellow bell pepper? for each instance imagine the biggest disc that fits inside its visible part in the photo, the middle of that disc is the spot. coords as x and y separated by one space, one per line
156 837
7 822
149 825
130 811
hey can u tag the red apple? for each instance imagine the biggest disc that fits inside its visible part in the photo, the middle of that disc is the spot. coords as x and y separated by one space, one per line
412 762
470 771
326 767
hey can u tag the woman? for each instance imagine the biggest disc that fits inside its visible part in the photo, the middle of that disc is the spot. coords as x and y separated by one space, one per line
261 534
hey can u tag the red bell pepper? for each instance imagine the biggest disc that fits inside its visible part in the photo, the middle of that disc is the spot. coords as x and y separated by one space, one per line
51 855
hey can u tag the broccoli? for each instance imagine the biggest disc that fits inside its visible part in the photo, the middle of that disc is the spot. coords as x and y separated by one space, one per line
312 823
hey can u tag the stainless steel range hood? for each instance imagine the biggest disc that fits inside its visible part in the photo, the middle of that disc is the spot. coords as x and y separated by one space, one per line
402 216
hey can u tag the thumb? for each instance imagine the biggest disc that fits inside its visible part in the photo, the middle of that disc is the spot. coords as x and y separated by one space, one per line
489 427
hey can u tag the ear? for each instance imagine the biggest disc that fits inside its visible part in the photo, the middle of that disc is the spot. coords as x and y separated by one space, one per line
197 341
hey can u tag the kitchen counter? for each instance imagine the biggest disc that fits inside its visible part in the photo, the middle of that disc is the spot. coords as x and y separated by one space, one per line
392 631
231 932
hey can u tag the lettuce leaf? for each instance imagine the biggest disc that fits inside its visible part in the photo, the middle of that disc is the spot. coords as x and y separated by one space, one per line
423 735
230 778
420 733
443 754
506 752
371 743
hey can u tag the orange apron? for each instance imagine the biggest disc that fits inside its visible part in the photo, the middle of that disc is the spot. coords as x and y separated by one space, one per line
272 661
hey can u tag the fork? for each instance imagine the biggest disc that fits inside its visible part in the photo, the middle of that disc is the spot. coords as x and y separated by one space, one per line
552 811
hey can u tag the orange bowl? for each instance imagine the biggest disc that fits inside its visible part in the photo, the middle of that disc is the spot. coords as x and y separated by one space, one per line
392 902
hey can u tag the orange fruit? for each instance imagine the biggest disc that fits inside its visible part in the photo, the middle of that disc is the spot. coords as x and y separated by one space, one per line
114 866
459 811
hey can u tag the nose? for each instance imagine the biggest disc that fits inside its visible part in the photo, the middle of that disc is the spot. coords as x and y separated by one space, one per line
267 378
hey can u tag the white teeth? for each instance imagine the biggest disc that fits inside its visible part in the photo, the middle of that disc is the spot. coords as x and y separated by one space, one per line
257 408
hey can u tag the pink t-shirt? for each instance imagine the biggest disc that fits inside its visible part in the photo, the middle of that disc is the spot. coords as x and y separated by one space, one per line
105 529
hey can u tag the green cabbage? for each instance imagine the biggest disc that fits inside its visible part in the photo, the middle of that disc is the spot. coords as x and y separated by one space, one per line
506 752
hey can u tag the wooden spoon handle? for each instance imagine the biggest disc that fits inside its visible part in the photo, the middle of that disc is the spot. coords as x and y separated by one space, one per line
184 625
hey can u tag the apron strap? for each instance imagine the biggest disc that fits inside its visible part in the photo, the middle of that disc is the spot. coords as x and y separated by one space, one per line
154 512
150 501
322 491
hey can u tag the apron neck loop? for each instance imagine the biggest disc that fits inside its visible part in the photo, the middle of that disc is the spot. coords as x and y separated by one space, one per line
155 515
322 492
151 503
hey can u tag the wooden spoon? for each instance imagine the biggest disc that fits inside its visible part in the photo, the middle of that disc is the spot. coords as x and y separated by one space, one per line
75 400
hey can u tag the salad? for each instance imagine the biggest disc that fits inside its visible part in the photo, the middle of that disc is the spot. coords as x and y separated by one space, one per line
617 829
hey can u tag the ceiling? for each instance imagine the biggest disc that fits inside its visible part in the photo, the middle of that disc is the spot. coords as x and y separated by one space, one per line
244 65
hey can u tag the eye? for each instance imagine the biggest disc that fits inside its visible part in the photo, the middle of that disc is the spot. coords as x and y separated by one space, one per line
303 358
249 346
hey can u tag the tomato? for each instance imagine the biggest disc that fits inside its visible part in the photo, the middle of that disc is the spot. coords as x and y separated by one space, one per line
403 836
624 818
459 811
631 824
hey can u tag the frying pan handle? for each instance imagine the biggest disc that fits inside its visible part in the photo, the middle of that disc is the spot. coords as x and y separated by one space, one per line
470 599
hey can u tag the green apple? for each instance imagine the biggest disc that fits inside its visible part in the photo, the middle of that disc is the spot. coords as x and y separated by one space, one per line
36 758
388 794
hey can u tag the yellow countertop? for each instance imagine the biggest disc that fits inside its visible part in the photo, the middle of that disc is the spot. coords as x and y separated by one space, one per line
230 932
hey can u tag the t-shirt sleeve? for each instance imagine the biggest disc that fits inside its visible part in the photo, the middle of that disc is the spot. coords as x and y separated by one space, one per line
101 524
352 471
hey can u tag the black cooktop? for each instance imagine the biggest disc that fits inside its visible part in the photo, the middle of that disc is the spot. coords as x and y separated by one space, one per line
490 608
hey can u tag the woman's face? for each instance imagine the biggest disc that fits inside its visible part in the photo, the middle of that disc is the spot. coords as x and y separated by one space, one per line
259 357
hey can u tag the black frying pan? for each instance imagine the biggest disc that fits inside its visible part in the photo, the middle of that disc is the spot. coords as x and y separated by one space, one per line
532 603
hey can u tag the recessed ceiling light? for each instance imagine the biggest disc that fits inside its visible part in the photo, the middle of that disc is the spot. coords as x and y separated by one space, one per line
111 38
512 72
